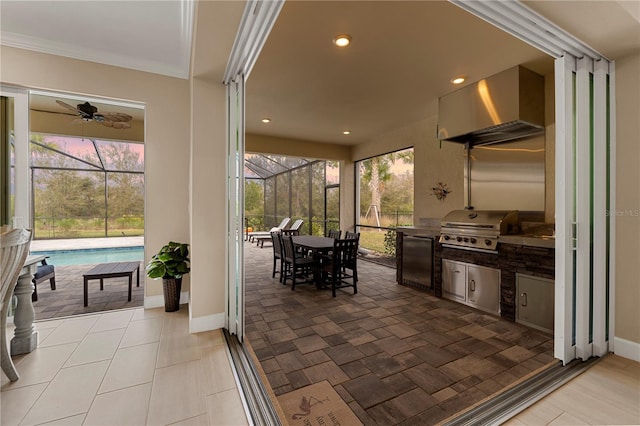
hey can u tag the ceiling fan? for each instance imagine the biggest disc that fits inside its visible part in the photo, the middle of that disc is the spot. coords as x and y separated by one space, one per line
88 112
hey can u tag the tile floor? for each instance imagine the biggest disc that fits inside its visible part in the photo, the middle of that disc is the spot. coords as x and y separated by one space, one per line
396 355
607 393
127 367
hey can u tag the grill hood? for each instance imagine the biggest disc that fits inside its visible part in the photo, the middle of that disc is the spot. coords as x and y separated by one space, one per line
504 107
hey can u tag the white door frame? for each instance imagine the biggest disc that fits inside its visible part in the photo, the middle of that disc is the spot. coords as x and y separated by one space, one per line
257 21
22 214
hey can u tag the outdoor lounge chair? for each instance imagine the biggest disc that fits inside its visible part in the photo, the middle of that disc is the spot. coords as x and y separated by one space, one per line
294 229
43 273
253 236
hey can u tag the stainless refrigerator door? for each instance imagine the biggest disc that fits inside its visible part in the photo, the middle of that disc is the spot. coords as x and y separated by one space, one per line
417 260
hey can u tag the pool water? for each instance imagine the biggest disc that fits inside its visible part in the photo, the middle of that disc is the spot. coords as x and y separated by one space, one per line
93 256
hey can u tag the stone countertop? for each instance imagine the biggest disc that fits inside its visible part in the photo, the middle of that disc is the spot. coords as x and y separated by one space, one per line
525 240
519 240
418 231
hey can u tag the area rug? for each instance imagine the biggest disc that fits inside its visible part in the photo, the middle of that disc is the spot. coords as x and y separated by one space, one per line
317 404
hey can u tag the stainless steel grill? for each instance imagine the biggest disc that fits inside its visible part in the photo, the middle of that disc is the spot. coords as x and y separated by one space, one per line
477 230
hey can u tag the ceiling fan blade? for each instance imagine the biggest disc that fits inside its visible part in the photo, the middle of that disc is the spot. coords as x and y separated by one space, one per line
117 116
115 124
121 125
67 106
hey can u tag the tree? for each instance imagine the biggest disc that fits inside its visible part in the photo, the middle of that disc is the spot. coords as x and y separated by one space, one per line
375 172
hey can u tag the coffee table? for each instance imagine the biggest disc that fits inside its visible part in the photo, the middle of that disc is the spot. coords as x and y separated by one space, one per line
111 270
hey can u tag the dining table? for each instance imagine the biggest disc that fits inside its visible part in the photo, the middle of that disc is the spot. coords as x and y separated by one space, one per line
318 246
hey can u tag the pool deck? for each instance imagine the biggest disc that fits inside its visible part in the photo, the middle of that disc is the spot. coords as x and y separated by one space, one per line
86 243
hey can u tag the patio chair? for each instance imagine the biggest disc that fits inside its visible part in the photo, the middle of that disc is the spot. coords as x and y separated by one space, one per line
43 273
278 256
14 248
335 265
334 233
295 263
354 266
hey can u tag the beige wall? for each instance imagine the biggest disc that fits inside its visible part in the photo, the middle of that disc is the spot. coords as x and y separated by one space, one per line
297 148
166 101
208 189
627 297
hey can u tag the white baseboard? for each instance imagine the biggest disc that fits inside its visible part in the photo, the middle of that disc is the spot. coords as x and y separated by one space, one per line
206 322
626 349
158 301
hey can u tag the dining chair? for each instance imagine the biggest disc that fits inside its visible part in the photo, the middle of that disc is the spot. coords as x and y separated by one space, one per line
354 265
14 248
278 257
335 265
334 233
295 264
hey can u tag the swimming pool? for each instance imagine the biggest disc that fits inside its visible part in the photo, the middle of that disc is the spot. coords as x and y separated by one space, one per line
93 256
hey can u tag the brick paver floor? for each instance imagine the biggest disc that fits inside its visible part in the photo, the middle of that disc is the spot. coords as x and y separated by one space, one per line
396 355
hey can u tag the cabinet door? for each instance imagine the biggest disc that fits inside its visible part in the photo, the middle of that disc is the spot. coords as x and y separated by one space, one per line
454 280
483 291
535 302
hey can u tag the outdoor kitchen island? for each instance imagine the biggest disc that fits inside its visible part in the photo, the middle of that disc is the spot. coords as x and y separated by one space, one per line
515 256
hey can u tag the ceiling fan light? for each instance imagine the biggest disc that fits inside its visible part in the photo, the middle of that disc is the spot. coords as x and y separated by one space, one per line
342 40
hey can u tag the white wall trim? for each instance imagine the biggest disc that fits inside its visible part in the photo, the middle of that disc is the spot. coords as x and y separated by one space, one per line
627 349
158 301
207 322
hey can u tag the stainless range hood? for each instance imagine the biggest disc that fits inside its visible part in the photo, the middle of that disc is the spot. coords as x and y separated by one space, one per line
504 107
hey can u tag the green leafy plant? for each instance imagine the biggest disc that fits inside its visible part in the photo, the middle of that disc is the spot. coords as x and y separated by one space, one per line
172 261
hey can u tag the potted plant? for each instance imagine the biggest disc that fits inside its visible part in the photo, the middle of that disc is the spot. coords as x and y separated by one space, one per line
170 264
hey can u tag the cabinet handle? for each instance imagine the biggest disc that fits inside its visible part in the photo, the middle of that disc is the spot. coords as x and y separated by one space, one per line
523 297
472 285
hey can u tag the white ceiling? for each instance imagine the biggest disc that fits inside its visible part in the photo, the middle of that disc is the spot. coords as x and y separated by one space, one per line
150 35
402 58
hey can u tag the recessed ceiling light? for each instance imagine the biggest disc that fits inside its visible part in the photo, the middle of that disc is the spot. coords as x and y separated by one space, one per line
346 132
458 80
266 120
343 40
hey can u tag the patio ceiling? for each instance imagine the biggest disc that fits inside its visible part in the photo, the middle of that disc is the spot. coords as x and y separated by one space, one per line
263 166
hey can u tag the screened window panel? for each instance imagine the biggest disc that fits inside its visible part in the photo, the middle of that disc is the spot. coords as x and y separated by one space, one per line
121 155
125 204
282 196
68 203
270 203
68 148
317 198
300 197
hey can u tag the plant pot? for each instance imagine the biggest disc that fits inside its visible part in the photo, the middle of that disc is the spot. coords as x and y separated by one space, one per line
171 288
